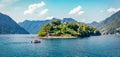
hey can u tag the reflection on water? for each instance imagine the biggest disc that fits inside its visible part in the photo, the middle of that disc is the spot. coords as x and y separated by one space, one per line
20 45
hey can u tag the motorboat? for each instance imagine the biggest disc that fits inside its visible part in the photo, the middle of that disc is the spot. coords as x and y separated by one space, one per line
36 41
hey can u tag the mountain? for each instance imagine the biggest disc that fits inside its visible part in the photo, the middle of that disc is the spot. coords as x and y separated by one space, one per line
9 26
95 24
68 20
33 27
111 25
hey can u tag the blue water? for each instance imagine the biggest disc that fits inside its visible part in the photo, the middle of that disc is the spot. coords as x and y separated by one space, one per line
21 46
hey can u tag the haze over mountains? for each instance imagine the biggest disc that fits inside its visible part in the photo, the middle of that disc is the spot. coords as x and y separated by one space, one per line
111 25
94 23
34 26
108 26
9 26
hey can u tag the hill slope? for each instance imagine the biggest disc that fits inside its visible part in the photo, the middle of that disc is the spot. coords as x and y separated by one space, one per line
111 25
95 24
8 26
34 26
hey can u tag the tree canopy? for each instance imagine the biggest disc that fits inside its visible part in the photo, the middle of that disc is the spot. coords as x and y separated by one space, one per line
56 28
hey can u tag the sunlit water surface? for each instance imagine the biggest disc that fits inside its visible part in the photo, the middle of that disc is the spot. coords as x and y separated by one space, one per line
21 46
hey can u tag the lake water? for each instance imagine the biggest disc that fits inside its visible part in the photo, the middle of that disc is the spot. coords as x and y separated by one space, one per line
21 46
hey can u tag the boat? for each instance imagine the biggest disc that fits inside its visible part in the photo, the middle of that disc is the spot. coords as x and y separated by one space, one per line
36 41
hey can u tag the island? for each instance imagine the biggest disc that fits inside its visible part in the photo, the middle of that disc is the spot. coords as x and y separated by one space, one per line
58 29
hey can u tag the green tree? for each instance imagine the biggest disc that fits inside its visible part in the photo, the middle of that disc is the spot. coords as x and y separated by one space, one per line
56 28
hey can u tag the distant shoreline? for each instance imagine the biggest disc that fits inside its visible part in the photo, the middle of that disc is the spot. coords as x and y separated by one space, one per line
47 37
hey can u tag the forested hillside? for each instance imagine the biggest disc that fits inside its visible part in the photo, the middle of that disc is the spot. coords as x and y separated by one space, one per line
56 28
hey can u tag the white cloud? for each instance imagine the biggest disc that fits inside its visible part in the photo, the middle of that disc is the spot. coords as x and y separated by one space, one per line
33 7
113 10
80 13
43 12
49 17
76 10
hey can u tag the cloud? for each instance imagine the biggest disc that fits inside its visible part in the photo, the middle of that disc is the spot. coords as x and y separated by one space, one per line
80 13
43 12
113 10
33 7
76 10
49 17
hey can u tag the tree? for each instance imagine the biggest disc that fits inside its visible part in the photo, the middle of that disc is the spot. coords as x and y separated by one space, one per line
56 28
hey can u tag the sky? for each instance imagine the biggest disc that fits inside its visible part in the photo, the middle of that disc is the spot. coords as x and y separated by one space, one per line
81 10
